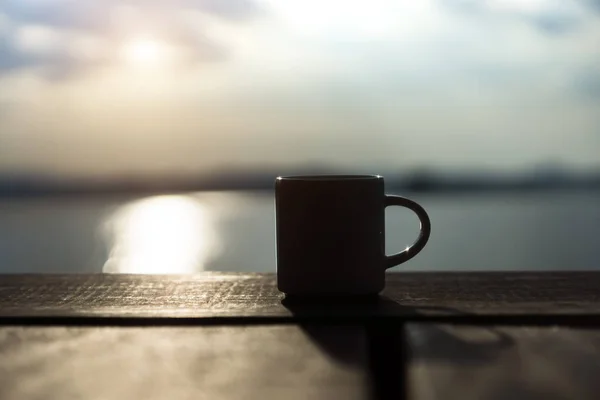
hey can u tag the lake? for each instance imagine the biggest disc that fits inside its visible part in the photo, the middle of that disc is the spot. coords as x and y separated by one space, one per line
235 231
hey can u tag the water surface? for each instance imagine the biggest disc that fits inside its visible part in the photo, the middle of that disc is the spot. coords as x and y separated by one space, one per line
235 231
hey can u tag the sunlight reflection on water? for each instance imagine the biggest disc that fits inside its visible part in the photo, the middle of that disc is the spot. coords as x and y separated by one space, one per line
161 235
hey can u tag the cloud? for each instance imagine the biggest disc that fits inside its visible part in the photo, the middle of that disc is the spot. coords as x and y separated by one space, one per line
556 24
400 83
64 38
587 83
594 4
86 15
548 16
229 9
54 52
96 15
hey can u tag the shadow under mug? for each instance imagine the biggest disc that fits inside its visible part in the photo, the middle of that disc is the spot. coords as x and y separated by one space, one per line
331 234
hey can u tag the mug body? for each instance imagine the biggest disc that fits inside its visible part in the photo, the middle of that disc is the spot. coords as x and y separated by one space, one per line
330 234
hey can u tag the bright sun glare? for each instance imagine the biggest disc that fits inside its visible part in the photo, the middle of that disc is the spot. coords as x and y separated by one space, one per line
144 52
160 234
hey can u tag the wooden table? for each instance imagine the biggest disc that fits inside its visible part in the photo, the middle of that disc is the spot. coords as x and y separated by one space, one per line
234 336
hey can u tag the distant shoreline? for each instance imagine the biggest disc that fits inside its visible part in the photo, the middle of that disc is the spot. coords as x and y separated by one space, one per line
25 188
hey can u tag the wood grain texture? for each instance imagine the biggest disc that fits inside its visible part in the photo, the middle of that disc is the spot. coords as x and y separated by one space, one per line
257 362
497 363
226 295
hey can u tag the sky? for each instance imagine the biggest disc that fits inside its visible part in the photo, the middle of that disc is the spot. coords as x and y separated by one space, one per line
98 88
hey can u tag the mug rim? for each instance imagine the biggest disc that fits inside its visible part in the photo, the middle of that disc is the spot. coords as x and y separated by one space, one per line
330 178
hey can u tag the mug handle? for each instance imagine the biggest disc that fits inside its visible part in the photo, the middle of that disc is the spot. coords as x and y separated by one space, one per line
418 245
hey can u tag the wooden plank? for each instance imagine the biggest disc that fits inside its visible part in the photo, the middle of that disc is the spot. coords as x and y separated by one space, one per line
226 295
257 362
494 293
513 363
